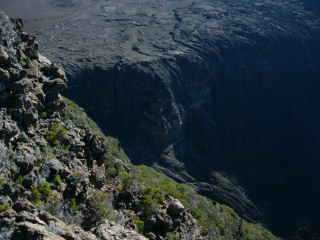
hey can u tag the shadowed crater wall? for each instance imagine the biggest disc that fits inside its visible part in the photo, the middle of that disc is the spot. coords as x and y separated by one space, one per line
200 87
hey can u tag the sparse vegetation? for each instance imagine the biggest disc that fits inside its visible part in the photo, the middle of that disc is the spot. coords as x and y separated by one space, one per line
255 231
139 224
56 134
44 114
172 236
19 180
4 207
100 206
152 198
214 218
57 181
53 203
77 115
74 205
41 193
80 118
2 182
45 190
36 196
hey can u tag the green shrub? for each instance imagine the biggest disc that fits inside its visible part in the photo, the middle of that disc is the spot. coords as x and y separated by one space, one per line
4 207
24 60
41 193
53 203
152 198
255 231
172 236
126 179
74 205
45 190
111 172
139 224
19 180
212 216
2 182
114 169
36 196
44 114
56 133
100 206
57 181
79 117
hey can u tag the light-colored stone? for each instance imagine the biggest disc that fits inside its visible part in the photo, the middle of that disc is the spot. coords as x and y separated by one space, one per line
42 59
4 56
112 231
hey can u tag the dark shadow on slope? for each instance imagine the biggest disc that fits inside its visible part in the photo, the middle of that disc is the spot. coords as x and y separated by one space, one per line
266 136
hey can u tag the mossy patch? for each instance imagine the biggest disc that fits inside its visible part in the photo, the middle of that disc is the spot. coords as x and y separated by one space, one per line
4 207
74 205
57 181
139 224
56 134
41 193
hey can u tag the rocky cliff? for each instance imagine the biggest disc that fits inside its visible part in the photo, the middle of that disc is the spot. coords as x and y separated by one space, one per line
206 91
62 179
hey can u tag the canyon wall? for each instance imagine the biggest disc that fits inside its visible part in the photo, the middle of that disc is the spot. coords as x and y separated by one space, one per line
207 91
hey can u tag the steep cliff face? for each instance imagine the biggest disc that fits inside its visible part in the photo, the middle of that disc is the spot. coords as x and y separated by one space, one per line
61 178
203 86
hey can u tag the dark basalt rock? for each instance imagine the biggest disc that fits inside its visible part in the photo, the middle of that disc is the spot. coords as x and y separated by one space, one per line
32 131
220 85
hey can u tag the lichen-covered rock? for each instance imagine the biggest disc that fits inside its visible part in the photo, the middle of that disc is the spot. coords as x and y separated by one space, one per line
112 231
43 160
26 222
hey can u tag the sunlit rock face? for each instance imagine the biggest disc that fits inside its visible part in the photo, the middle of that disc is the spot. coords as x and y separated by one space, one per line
229 86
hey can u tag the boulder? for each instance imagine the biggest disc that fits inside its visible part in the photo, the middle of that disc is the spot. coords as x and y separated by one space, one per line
33 70
30 116
55 85
5 200
95 148
4 56
53 71
4 75
111 231
22 86
23 205
8 128
54 167
25 161
174 207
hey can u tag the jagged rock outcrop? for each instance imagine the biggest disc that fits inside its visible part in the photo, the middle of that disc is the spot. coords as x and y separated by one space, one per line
25 221
31 108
